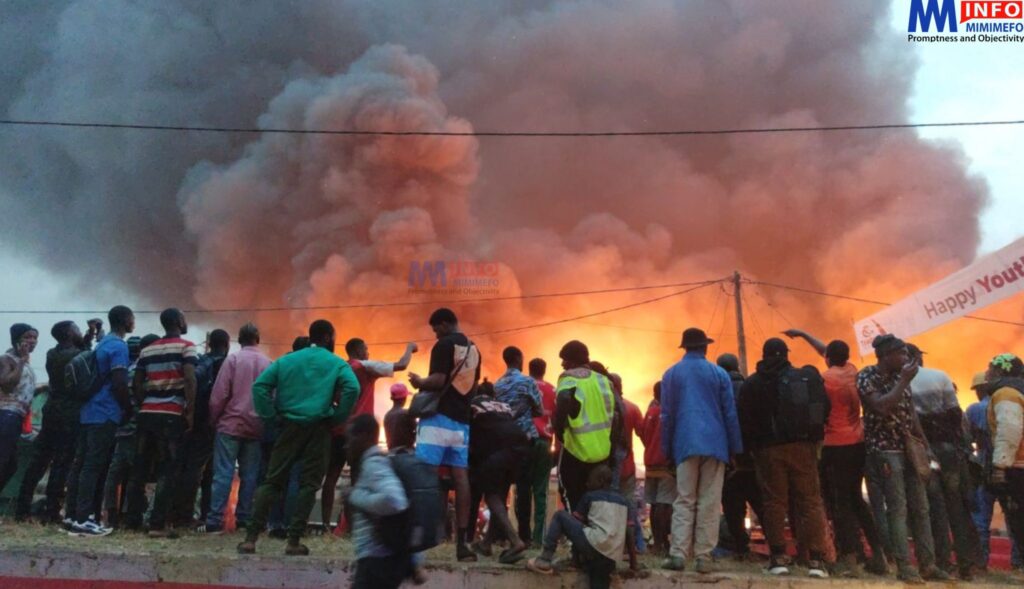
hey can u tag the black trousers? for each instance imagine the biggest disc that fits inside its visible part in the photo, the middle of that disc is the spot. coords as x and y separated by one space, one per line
842 475
92 457
740 489
572 477
55 450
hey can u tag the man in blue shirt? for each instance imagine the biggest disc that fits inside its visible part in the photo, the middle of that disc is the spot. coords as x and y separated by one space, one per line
700 432
100 417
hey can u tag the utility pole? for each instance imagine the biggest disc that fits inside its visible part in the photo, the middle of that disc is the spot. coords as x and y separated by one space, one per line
740 336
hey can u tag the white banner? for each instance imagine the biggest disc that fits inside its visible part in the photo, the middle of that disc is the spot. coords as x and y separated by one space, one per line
988 280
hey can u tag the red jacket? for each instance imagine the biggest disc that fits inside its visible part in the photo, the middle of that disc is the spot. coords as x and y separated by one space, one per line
650 435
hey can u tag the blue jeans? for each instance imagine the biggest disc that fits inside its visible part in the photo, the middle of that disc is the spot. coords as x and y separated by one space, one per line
10 433
896 495
227 450
982 516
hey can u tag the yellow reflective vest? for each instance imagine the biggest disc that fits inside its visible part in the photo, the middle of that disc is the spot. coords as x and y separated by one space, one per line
588 435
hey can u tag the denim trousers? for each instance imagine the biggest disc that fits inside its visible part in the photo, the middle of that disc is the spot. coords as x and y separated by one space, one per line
982 508
897 497
227 451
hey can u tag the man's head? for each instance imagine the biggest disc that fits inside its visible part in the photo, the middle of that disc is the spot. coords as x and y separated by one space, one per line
122 320
891 352
1004 366
172 320
300 343
513 357
486 388
837 353
24 338
616 382
728 362
600 478
219 342
538 367
134 347
148 340
915 354
356 349
574 354
321 334
249 335
444 322
695 340
774 349
362 433
67 332
399 394
978 385
657 391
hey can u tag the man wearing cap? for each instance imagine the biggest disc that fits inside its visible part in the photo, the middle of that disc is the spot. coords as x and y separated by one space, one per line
893 486
785 456
17 387
938 411
1005 381
984 499
399 426
586 421
700 433
367 372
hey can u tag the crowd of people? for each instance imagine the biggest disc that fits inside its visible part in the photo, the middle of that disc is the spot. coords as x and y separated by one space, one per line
791 444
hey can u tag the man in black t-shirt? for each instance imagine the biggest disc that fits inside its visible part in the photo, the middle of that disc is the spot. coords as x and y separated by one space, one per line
443 438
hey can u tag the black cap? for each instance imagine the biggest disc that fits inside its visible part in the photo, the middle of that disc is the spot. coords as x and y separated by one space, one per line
694 338
773 348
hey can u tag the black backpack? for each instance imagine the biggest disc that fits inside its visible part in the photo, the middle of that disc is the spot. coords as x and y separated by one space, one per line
82 376
417 528
802 406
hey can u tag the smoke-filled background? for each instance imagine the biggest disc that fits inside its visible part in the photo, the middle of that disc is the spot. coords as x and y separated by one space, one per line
216 220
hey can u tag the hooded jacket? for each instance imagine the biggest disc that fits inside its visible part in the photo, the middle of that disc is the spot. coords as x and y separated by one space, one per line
758 404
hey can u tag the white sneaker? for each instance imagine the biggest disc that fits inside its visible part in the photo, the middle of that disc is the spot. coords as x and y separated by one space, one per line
817 570
778 566
88 528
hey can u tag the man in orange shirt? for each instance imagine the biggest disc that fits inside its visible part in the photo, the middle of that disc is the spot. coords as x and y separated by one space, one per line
842 459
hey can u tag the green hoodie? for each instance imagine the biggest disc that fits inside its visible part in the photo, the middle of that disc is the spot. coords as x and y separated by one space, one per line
307 383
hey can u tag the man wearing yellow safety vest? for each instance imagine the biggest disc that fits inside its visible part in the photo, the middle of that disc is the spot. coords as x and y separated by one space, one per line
586 421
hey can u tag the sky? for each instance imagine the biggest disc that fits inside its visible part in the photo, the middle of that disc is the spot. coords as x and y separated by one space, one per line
955 82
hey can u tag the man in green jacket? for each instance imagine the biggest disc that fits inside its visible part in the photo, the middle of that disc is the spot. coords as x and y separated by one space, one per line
315 390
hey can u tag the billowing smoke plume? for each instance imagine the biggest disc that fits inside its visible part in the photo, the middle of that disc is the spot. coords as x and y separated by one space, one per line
243 220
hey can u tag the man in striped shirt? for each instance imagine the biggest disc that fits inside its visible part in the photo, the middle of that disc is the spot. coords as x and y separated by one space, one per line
165 387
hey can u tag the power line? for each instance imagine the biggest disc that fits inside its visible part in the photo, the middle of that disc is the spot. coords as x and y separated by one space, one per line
533 134
563 320
868 301
372 305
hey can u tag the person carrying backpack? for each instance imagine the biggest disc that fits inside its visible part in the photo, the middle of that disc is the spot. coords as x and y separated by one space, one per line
782 412
196 469
377 493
